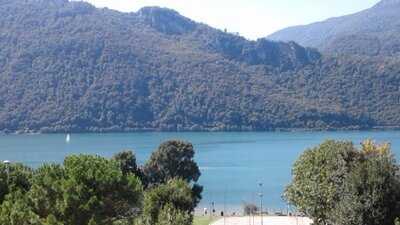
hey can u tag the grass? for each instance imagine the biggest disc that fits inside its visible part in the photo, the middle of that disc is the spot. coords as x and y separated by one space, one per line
202 220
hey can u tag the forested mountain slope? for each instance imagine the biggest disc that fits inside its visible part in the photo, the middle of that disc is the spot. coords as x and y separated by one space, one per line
67 66
375 31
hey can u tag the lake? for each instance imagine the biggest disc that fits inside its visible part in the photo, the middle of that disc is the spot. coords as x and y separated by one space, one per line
232 163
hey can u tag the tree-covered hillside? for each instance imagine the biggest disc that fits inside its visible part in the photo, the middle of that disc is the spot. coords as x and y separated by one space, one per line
67 66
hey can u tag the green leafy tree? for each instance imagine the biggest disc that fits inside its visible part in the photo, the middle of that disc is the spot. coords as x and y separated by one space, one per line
96 191
172 160
174 196
51 220
127 161
128 164
335 183
14 177
371 191
16 210
92 190
196 193
318 177
85 190
46 194
169 215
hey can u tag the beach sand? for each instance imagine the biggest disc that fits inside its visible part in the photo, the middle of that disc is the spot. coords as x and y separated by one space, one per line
267 220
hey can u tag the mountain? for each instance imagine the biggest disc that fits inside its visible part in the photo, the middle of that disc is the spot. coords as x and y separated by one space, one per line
278 55
373 32
70 67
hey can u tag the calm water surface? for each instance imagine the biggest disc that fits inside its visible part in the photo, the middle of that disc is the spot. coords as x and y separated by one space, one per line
232 164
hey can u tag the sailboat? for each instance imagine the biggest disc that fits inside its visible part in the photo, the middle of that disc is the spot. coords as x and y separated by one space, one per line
68 138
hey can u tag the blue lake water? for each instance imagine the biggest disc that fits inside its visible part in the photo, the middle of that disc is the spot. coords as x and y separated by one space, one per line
232 164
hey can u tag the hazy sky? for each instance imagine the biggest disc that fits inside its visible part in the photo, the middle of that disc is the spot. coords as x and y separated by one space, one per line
250 18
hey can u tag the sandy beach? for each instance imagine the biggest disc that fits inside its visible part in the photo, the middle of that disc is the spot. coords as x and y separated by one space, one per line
267 220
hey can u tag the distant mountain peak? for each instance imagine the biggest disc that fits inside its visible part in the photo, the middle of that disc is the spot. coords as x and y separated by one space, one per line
385 3
166 20
374 31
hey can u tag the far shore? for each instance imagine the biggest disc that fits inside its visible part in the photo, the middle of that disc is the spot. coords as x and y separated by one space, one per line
217 130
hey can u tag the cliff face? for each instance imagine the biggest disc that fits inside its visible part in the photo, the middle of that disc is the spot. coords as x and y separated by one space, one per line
166 21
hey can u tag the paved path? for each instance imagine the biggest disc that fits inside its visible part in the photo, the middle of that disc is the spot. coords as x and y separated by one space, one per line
267 220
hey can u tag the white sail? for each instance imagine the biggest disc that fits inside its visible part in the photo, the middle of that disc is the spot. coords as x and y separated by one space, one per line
68 138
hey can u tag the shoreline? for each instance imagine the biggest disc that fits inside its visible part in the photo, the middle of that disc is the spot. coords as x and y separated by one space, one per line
265 220
211 130
237 210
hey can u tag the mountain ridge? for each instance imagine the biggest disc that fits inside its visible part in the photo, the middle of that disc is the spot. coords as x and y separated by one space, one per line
384 3
372 32
70 67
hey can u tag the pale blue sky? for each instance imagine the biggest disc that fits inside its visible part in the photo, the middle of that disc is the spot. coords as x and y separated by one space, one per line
250 18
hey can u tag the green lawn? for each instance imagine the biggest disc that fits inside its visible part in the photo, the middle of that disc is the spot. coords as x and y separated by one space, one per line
202 220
